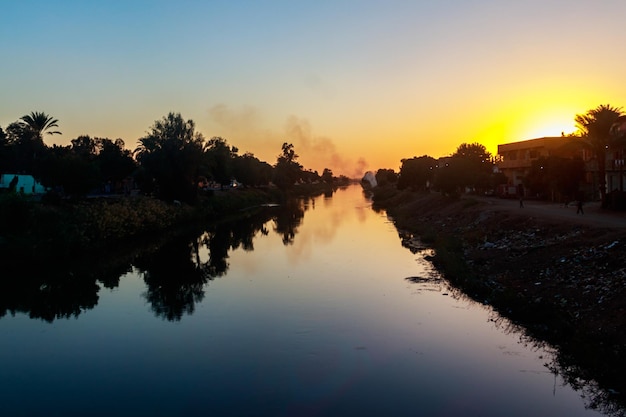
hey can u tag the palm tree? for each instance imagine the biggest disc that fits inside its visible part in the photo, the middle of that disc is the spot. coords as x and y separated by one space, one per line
595 132
40 122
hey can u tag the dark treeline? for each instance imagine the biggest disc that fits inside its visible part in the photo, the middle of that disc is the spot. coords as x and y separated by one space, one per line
172 162
470 167
565 174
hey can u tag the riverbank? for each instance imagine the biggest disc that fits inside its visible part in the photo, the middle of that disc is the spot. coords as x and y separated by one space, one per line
562 278
39 230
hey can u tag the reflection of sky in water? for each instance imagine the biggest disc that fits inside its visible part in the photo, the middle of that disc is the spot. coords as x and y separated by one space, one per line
325 326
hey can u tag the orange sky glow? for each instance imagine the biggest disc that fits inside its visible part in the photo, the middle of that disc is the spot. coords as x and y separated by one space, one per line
354 85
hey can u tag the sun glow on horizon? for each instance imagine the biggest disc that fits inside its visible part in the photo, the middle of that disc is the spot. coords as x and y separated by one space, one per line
552 121
549 129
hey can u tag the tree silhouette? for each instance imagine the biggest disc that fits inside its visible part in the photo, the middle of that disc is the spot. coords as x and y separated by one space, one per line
220 156
555 177
40 123
386 176
327 176
476 165
115 162
595 134
287 171
171 154
26 148
417 173
249 170
450 175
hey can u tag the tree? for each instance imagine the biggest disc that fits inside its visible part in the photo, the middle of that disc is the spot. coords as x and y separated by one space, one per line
219 157
72 172
250 171
5 151
171 154
595 134
556 178
85 146
451 175
417 173
26 146
287 171
475 162
385 176
114 161
40 123
327 176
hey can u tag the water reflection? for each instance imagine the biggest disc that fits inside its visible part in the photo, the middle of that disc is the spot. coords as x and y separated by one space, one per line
48 295
346 333
49 291
287 221
174 282
175 268
176 273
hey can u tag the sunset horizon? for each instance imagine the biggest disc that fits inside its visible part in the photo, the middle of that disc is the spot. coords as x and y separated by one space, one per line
354 86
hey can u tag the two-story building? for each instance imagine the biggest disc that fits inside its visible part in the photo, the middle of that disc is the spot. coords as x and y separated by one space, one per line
516 158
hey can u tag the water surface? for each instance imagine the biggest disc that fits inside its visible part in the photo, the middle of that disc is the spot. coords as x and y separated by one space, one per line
303 310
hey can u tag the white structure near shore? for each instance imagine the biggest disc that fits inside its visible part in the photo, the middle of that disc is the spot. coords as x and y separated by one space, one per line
26 184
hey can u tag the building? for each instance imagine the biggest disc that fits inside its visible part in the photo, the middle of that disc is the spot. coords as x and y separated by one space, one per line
25 184
516 158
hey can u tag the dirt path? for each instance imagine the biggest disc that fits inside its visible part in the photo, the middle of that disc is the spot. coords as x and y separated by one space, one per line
593 216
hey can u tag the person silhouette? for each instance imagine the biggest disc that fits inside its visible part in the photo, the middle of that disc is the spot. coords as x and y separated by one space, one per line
579 207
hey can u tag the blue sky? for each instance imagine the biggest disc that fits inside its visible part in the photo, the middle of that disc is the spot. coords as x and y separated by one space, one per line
353 84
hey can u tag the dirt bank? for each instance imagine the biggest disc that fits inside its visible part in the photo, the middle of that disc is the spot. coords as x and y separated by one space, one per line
560 274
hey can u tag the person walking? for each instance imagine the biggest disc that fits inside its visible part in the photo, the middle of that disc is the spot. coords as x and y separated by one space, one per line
579 207
520 193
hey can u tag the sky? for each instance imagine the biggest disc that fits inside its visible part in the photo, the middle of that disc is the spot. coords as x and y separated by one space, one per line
354 85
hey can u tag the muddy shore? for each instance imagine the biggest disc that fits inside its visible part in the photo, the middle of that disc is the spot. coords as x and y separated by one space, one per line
560 275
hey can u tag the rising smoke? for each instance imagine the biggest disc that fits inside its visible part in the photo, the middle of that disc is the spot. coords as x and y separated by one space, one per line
242 128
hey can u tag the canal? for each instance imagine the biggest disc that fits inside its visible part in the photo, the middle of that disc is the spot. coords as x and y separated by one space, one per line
313 308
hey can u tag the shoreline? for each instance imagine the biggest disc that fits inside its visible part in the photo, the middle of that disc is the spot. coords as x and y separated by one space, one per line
562 279
42 231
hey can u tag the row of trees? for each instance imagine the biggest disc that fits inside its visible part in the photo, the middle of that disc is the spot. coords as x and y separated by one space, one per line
173 161
471 166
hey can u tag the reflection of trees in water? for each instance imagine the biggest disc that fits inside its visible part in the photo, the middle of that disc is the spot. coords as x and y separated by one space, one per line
174 269
174 282
57 295
289 218
50 291
178 271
